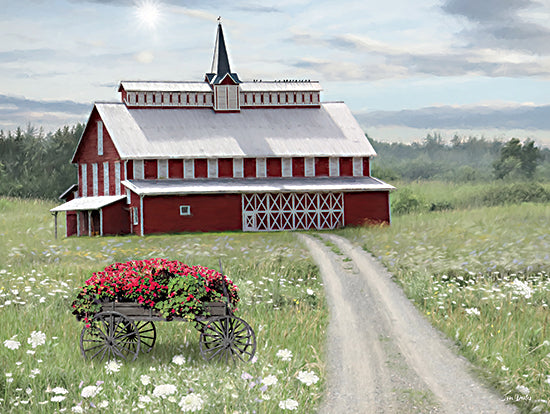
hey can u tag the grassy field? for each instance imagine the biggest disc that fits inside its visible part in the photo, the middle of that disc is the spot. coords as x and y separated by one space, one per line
482 276
44 372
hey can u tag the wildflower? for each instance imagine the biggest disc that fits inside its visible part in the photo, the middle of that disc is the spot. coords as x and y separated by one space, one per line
309 291
34 372
57 398
548 379
246 376
270 380
472 311
112 366
178 360
522 390
164 390
12 343
284 354
90 391
145 379
191 403
307 377
59 390
36 339
145 399
288 404
77 409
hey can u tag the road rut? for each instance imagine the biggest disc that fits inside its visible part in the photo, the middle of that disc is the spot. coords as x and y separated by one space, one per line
383 355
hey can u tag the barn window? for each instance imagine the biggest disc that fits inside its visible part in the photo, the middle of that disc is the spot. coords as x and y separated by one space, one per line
309 166
286 167
94 179
106 178
162 169
99 138
334 167
238 171
135 216
139 173
117 177
261 170
185 210
357 166
84 180
188 168
212 168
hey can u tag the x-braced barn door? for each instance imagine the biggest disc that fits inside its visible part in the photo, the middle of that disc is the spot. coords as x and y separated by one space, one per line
291 211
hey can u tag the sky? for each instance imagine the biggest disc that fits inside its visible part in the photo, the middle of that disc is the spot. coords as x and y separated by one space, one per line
404 67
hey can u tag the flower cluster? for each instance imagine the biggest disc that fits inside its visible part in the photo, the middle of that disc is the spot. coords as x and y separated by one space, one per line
173 288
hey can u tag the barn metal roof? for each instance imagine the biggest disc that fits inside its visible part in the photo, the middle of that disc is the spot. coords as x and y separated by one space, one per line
88 203
154 86
255 185
157 133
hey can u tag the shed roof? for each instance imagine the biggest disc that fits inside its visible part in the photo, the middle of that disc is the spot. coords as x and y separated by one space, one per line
88 203
255 185
157 133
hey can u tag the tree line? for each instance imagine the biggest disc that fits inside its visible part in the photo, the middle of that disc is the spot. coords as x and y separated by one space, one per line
34 164
462 159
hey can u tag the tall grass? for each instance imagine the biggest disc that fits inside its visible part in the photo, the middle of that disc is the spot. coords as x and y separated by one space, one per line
483 277
39 277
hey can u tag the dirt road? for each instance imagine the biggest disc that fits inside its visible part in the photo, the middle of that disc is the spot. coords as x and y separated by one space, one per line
383 355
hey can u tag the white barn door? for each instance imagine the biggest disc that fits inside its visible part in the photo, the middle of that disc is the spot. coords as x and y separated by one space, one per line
292 211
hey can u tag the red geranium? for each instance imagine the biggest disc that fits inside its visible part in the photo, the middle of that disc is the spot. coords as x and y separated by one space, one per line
171 287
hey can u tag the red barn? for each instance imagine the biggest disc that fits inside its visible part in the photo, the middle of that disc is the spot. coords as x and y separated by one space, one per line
222 154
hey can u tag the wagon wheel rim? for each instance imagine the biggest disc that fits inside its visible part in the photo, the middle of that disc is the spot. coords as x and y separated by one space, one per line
110 335
147 335
227 338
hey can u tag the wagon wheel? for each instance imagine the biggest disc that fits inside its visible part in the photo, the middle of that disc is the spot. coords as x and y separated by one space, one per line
147 335
225 337
111 334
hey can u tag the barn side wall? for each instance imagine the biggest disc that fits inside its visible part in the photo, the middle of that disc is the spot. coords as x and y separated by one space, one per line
366 208
220 212
116 218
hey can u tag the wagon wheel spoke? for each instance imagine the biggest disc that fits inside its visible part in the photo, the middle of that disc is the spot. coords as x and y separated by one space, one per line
114 334
147 335
227 337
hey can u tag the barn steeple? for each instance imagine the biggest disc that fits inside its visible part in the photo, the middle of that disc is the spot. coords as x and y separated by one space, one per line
220 69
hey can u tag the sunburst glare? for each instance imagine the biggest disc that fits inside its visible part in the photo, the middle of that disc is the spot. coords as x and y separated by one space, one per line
148 13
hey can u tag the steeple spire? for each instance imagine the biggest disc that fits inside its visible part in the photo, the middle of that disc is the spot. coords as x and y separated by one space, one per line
220 61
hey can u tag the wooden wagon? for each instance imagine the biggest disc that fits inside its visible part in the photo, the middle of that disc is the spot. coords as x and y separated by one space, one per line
122 330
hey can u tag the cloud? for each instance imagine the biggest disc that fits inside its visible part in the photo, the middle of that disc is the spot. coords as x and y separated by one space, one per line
508 117
506 24
50 115
144 57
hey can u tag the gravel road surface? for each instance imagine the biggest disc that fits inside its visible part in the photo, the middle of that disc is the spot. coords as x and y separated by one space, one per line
383 355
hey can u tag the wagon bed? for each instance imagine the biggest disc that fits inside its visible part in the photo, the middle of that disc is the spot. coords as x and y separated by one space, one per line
123 329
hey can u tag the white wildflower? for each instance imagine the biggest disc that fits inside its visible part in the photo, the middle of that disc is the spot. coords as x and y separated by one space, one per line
309 291
57 398
59 390
77 409
145 399
308 377
112 366
522 390
191 403
284 354
145 379
288 404
90 391
12 343
472 311
36 339
178 360
103 404
164 390
521 288
270 380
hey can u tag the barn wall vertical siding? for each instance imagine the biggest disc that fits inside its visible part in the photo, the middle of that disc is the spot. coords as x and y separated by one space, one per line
366 208
116 218
220 212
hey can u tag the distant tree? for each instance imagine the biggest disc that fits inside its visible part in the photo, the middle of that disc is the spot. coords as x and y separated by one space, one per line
517 159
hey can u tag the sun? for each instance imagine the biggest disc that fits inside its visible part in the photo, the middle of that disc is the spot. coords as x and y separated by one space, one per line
148 13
